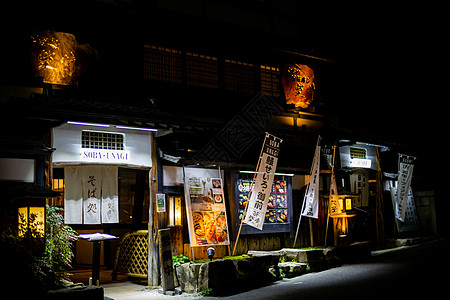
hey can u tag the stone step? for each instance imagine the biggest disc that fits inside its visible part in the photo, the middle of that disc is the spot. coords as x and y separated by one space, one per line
292 269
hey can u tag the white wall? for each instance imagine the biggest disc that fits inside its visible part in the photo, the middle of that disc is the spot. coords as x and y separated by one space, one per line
17 169
66 139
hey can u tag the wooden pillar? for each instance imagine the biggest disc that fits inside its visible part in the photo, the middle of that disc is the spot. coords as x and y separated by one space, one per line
153 270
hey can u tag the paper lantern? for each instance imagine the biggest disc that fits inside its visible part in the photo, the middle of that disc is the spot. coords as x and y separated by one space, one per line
298 85
31 218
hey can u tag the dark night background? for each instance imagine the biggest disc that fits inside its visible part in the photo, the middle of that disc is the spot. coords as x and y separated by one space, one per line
387 77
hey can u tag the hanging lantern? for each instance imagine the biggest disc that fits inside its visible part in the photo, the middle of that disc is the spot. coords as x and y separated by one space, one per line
298 85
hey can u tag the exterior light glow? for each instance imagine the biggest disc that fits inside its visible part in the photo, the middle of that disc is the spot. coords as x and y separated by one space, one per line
279 174
136 128
87 124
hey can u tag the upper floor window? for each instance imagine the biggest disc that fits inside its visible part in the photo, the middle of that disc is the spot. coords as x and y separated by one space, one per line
240 76
270 80
162 64
202 70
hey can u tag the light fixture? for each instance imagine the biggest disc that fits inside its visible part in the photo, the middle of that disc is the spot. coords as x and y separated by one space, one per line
175 211
31 217
211 251
87 124
136 128
279 174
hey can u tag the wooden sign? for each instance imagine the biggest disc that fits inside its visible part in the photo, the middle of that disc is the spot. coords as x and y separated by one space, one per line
165 256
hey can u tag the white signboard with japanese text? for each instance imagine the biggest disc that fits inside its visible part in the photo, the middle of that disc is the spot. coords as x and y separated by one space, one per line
257 204
411 221
405 171
335 208
71 149
311 206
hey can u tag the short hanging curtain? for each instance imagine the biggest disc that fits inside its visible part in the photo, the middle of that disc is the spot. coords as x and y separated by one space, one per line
91 195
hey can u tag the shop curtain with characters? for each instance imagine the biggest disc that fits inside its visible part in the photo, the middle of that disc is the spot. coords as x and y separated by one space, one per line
91 195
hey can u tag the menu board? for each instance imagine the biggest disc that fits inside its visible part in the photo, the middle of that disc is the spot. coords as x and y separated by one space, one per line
206 209
277 208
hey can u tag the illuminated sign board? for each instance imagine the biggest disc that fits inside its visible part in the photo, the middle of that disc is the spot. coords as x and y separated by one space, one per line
89 143
358 156
360 163
105 156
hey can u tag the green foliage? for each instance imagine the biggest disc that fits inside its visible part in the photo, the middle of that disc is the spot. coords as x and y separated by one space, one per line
200 261
39 262
58 247
180 259
207 292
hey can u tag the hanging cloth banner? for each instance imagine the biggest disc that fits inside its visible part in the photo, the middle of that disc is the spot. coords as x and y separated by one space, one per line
335 208
311 199
405 171
110 195
411 222
73 196
91 195
265 172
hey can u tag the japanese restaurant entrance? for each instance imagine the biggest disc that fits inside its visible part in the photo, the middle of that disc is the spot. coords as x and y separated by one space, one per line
102 171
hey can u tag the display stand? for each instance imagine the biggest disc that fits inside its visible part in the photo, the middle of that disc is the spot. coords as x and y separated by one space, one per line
96 239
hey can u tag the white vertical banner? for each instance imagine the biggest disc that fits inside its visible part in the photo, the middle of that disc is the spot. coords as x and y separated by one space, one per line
335 208
91 195
110 194
405 171
91 182
257 204
311 206
73 196
411 222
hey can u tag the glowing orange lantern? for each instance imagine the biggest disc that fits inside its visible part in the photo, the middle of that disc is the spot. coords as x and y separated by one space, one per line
298 85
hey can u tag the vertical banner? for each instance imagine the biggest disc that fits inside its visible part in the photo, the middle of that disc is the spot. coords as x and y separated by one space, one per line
91 195
335 208
110 194
73 196
311 206
91 180
257 204
405 171
205 207
411 222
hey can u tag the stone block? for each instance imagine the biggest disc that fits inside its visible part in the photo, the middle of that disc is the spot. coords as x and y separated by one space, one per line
220 276
304 256
292 269
187 277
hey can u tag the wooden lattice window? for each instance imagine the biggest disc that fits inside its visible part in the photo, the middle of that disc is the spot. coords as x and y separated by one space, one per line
270 80
358 153
239 76
202 70
102 140
162 63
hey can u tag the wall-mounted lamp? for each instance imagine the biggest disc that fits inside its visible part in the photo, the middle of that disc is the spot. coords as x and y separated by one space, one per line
175 211
211 251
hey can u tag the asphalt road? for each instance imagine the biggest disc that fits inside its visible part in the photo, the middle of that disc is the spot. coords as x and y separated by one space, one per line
416 271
